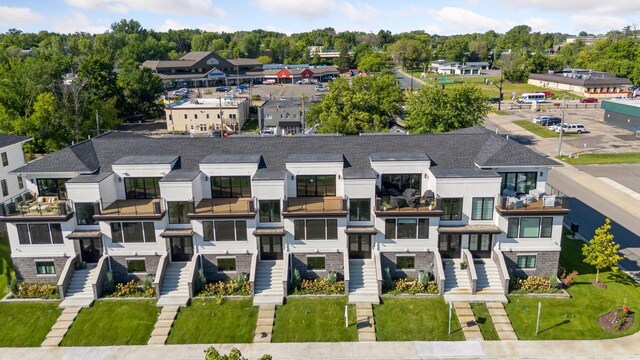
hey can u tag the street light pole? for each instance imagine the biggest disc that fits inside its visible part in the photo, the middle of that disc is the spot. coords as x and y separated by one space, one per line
498 86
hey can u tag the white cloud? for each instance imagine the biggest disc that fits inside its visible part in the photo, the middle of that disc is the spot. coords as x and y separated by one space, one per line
77 22
17 16
174 7
308 9
597 23
580 6
361 13
216 28
540 24
171 24
456 20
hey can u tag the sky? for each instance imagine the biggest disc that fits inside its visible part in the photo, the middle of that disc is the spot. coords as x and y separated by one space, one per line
294 16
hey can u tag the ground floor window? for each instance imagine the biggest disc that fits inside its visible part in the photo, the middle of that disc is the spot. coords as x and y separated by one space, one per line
315 262
405 262
136 266
226 264
406 228
133 232
45 268
526 261
316 229
39 234
225 230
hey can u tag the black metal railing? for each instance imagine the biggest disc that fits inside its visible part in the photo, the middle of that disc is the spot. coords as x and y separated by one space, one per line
532 203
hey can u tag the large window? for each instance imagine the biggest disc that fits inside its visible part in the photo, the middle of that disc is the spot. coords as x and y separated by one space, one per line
39 234
359 209
142 188
5 188
530 227
317 229
482 209
133 232
316 185
405 262
226 264
225 230
5 159
45 268
452 208
20 182
396 184
230 186
520 182
178 212
526 261
479 242
269 211
85 212
136 266
52 187
315 262
406 228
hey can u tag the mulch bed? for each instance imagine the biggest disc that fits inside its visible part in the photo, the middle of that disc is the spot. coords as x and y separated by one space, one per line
599 284
609 321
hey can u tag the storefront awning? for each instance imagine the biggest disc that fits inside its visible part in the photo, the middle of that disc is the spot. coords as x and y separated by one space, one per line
177 233
85 234
279 231
370 230
469 229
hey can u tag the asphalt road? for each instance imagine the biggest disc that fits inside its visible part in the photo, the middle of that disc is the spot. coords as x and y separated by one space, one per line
405 81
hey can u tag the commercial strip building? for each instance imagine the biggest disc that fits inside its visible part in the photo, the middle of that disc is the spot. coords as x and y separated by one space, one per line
588 83
444 67
204 115
346 204
207 69
624 114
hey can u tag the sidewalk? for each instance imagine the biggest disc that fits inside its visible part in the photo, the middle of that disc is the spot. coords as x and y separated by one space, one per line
623 348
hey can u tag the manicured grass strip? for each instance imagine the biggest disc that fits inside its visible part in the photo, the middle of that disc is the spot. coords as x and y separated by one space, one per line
314 320
589 159
26 324
4 254
415 320
539 130
113 323
575 318
205 322
485 323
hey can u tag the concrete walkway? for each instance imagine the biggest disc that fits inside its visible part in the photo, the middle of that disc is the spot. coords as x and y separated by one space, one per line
61 326
501 321
467 321
163 325
264 327
365 322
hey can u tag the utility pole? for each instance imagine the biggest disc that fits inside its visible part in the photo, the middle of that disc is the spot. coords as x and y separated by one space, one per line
97 123
499 86
564 106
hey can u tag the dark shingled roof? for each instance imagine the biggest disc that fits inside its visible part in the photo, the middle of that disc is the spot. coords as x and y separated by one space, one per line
231 158
462 173
451 151
6 139
146 159
399 156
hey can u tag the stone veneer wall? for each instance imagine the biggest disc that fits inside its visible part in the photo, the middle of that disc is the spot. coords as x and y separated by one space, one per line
121 273
333 261
546 263
25 268
210 266
424 261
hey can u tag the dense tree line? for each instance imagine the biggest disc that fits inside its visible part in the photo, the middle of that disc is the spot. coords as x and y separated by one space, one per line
35 101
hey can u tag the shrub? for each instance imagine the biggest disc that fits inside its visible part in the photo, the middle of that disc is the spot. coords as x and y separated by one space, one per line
242 279
332 277
36 291
567 280
213 354
320 287
5 272
147 283
296 279
413 286
13 282
133 289
388 280
225 288
109 283
533 284
201 280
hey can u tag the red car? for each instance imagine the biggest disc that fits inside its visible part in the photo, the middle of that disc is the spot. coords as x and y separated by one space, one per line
589 100
548 94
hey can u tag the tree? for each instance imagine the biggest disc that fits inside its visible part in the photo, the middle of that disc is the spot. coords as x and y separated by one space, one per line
602 251
264 59
140 90
432 110
212 353
373 62
365 105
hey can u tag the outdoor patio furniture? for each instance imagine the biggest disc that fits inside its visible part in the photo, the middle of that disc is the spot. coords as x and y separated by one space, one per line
549 201
507 192
537 194
527 199
514 203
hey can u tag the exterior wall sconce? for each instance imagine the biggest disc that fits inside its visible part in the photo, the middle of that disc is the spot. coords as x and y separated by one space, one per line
292 177
119 179
339 177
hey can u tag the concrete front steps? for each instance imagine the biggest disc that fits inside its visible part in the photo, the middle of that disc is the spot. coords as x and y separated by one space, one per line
61 326
363 285
456 280
365 322
501 321
488 277
268 287
264 327
163 325
467 320
174 290
80 290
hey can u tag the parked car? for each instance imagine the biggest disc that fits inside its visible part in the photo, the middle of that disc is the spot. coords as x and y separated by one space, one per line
321 88
548 94
269 82
539 119
589 100
556 127
223 88
571 129
181 92
243 86
551 120
493 100
238 90
216 133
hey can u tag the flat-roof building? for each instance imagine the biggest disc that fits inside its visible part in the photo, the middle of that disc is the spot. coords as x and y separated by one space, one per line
584 82
624 114
204 115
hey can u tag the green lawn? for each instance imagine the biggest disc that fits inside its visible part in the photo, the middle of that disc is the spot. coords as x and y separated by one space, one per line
575 318
415 320
4 254
485 323
204 322
539 130
589 159
113 323
250 127
314 320
26 324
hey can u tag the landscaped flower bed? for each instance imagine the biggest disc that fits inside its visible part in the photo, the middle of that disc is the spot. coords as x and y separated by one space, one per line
226 288
131 289
319 287
35 291
535 285
412 286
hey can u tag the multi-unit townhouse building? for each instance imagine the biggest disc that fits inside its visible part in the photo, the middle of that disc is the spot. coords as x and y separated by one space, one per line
282 117
204 115
11 158
263 206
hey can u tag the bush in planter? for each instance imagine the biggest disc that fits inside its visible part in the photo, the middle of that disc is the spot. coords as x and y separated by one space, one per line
224 288
320 287
109 283
201 281
13 282
147 283
413 286
36 291
388 280
296 279
332 277
534 284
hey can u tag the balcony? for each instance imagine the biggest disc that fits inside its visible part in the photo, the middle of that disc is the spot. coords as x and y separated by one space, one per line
315 206
530 205
131 209
42 208
223 207
401 206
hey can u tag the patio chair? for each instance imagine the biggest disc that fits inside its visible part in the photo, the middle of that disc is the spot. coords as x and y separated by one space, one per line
549 201
507 192
410 197
515 203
